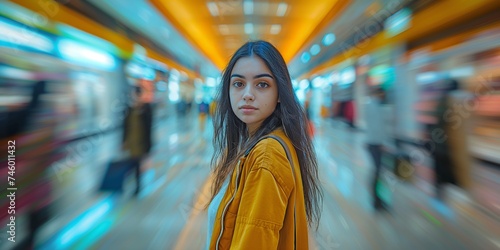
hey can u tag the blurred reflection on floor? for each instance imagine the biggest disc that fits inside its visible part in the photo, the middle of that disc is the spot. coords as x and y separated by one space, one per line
168 214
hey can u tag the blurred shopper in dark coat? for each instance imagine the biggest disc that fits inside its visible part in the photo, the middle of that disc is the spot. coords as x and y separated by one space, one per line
375 136
451 157
15 122
137 132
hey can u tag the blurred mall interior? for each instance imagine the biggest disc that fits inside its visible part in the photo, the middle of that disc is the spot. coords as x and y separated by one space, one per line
67 68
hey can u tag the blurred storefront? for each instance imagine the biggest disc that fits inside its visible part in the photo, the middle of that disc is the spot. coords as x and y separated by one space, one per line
471 58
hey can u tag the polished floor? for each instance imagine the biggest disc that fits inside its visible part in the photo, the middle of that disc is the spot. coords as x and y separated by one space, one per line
169 214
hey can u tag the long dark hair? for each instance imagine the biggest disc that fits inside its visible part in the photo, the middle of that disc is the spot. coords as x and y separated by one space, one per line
231 137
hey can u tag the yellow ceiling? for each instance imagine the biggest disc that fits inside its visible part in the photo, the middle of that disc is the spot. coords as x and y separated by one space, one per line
219 30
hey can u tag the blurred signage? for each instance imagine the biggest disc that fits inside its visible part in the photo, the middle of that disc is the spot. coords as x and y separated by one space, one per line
17 35
139 52
382 75
86 38
398 22
140 70
347 77
85 55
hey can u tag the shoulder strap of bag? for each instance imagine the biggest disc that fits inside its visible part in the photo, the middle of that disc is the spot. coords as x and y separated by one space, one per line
289 157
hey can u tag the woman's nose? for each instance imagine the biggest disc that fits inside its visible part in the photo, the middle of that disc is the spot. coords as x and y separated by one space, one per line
248 95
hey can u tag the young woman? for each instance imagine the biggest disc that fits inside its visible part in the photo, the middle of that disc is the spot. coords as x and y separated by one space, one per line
264 193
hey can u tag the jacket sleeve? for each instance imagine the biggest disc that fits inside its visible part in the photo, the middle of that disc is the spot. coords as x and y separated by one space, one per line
261 211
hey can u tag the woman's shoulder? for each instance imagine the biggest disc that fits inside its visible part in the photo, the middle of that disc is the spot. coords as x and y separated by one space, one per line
269 153
270 146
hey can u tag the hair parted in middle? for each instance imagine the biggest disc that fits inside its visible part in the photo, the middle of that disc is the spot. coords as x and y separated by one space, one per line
231 136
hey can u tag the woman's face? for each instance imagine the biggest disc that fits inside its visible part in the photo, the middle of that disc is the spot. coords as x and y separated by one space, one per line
253 91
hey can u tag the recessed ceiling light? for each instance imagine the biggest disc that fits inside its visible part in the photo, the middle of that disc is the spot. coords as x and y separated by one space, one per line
275 29
328 39
212 7
305 57
248 7
282 7
315 49
248 28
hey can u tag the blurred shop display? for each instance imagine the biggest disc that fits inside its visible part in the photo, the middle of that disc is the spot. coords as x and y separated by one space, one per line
475 64
474 116
341 100
485 138
81 83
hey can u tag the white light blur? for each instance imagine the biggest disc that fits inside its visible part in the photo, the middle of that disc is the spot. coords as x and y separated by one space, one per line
173 139
211 82
173 86
304 84
318 82
398 22
282 7
348 76
427 77
23 36
212 7
275 29
16 73
133 69
174 97
82 54
301 95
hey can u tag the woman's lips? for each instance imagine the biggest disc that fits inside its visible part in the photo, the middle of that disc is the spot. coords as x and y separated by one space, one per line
246 109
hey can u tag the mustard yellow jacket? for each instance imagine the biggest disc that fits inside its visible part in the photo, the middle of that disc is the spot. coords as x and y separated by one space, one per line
257 210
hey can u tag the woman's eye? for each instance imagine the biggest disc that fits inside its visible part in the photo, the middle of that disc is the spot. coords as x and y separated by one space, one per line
262 85
237 84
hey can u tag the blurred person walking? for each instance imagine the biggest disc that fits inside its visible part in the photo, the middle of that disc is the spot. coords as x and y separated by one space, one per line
29 135
15 121
202 115
451 156
266 187
137 132
375 136
350 113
